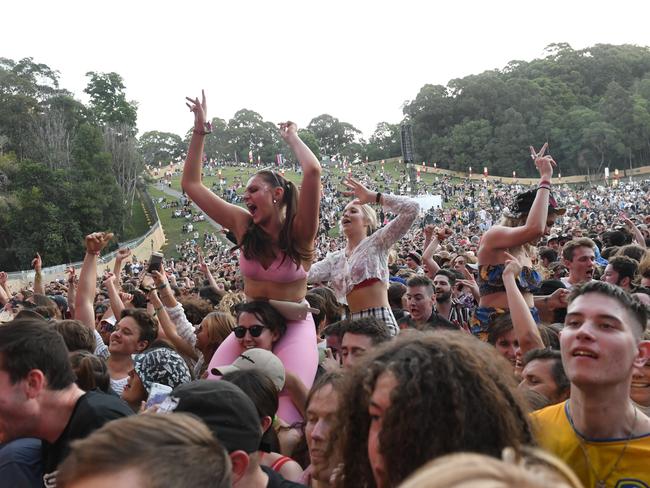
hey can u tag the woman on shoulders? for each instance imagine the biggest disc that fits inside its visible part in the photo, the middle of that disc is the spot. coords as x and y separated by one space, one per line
359 273
530 217
275 232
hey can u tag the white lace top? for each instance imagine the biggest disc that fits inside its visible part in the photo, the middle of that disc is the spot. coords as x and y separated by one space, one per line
370 258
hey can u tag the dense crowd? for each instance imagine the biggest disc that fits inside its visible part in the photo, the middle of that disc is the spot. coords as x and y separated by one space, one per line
340 335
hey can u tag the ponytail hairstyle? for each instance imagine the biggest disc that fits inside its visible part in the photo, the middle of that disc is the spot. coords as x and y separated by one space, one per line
255 242
91 371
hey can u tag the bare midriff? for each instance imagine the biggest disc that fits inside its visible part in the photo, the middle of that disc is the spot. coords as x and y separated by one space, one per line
372 296
500 300
270 290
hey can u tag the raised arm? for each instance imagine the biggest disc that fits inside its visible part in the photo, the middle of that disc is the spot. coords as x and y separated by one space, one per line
228 215
501 237
432 236
219 290
634 230
522 320
120 256
4 294
72 290
405 209
88 277
169 328
37 264
114 294
305 224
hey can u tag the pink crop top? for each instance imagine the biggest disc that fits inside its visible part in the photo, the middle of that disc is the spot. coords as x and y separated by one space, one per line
279 271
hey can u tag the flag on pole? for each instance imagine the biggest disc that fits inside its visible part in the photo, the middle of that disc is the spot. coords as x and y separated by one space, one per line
250 156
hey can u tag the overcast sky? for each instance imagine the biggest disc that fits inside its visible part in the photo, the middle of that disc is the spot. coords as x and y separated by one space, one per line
356 60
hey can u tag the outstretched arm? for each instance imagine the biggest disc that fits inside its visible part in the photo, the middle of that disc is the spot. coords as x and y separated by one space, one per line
501 237
88 277
228 215
121 255
522 320
114 295
305 224
37 264
634 230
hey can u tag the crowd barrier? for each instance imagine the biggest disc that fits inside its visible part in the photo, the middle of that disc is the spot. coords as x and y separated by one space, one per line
141 247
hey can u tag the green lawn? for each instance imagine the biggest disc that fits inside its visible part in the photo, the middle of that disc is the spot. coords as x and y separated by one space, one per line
173 227
138 224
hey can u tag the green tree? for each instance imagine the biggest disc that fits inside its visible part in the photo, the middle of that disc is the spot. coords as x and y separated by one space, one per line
332 134
108 100
160 146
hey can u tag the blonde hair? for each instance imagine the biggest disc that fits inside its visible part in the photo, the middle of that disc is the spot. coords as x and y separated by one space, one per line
506 221
536 469
370 217
219 326
229 300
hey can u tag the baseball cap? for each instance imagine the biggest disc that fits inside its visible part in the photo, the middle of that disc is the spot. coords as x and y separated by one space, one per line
259 359
229 413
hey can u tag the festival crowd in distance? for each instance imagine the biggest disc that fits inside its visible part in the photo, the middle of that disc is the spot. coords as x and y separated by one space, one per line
334 333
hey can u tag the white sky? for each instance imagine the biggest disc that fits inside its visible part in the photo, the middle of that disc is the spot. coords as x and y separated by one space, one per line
356 60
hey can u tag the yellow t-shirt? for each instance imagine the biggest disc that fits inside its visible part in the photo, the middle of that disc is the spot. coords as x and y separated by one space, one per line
555 434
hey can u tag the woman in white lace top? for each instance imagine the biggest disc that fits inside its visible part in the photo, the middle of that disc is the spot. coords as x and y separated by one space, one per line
359 273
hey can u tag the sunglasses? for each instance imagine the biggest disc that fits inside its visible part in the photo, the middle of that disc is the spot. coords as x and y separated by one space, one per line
255 331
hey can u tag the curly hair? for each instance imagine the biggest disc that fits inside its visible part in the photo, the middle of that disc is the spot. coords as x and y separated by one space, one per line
255 241
196 309
147 325
453 394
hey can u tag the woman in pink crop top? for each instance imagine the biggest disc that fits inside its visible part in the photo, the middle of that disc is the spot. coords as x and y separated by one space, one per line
359 273
275 232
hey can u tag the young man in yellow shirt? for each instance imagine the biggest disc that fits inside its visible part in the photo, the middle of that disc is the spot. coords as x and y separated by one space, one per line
599 432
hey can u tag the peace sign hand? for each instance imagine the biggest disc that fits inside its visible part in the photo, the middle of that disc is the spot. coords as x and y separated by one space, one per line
544 164
200 110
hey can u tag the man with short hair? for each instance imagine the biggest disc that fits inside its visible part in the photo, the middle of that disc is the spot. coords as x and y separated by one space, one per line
38 395
155 451
446 305
420 299
232 417
598 431
359 336
579 257
620 271
322 406
543 372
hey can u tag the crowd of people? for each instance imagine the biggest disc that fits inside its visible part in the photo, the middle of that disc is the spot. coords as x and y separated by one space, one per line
332 333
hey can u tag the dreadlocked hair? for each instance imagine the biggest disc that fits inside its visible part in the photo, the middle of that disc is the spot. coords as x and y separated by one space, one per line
255 242
453 394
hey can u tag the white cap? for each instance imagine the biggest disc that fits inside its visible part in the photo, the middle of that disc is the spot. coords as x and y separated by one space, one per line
259 359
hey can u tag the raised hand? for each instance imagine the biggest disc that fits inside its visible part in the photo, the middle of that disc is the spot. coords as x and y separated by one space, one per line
200 110
37 263
109 279
72 274
361 193
513 266
428 231
288 130
543 163
123 253
97 241
3 278
202 266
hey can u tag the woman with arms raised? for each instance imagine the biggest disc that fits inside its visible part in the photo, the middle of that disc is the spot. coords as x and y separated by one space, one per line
275 235
359 273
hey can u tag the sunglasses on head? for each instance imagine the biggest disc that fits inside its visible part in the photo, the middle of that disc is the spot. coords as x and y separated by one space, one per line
255 331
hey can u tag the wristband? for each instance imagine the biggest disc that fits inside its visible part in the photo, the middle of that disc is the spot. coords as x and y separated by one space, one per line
378 198
546 187
161 286
545 182
207 129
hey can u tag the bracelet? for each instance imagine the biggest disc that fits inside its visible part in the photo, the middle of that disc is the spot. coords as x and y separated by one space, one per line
545 182
207 129
378 198
546 187
161 286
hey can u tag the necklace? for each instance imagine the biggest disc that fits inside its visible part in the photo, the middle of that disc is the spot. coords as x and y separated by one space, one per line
602 483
